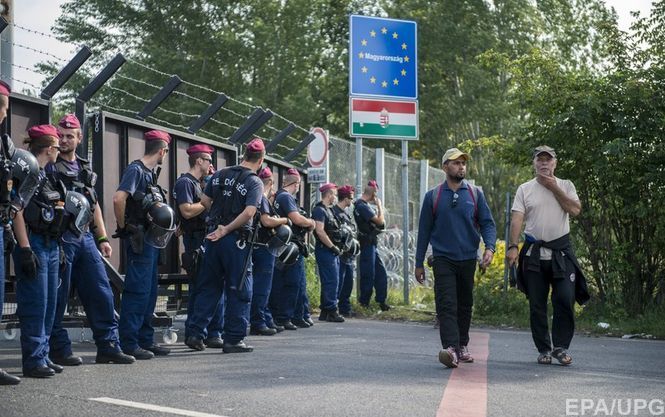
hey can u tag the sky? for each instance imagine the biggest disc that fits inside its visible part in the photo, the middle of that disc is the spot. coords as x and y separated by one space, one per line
40 15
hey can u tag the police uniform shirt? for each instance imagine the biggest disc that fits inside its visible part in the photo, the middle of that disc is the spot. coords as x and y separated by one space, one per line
264 207
364 211
342 215
135 178
185 191
252 187
285 203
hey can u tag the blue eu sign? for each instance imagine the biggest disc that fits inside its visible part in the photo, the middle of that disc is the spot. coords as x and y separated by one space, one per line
382 57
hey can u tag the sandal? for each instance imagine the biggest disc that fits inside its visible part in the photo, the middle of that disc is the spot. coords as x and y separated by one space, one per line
562 356
545 358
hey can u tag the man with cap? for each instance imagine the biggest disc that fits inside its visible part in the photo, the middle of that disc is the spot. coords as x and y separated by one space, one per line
138 190
232 197
453 217
547 260
5 378
84 269
371 222
187 192
346 260
263 261
327 252
289 282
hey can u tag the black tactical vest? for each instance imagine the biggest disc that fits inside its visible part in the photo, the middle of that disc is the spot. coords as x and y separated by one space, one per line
45 213
331 225
141 200
195 224
228 194
82 181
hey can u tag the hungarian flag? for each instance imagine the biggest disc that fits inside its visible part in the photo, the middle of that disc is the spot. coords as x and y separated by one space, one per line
379 118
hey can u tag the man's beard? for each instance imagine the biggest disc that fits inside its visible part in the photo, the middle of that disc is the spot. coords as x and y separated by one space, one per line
457 178
66 154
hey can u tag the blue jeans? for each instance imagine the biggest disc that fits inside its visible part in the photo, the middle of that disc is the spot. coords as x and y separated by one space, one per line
263 265
328 264
36 299
85 271
345 287
192 241
138 298
219 276
372 275
287 284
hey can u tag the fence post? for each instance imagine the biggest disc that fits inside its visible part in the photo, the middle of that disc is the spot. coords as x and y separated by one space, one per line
506 269
381 173
405 219
359 190
424 179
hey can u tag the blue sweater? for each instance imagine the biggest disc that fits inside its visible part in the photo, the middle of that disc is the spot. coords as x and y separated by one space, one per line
453 232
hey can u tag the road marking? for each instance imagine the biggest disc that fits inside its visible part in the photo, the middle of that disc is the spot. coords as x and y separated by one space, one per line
152 407
466 392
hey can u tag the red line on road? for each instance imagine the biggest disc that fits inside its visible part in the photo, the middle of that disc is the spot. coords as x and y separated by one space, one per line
466 392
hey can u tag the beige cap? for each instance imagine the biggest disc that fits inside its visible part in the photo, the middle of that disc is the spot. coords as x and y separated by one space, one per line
454 153
544 149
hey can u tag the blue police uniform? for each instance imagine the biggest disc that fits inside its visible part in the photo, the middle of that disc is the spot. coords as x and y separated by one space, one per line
187 189
373 274
263 263
139 295
326 259
84 271
346 266
36 296
222 269
289 283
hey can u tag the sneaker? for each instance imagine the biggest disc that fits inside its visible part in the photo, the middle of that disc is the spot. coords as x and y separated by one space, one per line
464 355
448 357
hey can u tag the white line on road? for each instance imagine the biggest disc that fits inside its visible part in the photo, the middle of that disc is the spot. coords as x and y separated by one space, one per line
152 407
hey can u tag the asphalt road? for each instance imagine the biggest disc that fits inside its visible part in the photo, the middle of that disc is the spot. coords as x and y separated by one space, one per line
357 368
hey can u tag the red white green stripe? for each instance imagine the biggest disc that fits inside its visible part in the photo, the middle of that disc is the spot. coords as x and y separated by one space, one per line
379 118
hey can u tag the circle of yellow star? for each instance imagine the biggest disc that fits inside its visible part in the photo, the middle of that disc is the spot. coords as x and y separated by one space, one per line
404 46
403 73
361 55
363 69
394 35
396 81
372 80
363 42
384 30
384 84
372 33
406 59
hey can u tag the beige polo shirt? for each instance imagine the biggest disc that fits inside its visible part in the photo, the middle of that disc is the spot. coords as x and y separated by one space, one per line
543 216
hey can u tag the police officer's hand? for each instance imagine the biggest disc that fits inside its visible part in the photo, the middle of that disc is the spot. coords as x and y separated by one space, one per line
420 275
337 251
289 222
312 225
121 233
28 262
511 256
62 259
487 259
217 234
105 249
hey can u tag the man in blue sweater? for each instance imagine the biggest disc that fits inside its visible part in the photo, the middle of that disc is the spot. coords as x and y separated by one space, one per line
453 217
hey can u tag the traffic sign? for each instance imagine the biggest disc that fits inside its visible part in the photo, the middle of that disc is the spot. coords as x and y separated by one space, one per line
316 175
317 150
392 119
383 57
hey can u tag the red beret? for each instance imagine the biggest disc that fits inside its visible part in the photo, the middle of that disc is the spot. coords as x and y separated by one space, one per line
328 186
345 191
265 173
372 183
5 90
69 121
200 148
293 171
43 130
256 145
157 135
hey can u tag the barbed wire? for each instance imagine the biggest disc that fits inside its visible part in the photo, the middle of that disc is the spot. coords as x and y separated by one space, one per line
20 81
124 77
48 35
33 49
22 67
116 109
120 90
214 135
180 93
219 122
175 113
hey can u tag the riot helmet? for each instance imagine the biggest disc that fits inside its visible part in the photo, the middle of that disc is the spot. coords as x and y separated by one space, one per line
289 254
345 234
279 237
78 208
354 248
162 225
26 173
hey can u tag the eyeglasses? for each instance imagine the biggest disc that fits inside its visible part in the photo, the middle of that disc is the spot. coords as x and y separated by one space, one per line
455 197
207 159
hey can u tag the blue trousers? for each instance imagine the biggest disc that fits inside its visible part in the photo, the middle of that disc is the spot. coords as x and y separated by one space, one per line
286 288
85 271
302 305
345 287
36 300
2 270
372 275
263 264
219 276
191 242
328 264
138 298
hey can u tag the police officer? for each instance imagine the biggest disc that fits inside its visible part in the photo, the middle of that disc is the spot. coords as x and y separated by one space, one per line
288 279
192 214
84 269
370 223
232 196
347 259
38 228
263 259
5 378
139 204
327 251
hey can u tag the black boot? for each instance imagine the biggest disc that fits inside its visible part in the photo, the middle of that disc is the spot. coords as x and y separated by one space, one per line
8 379
334 317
